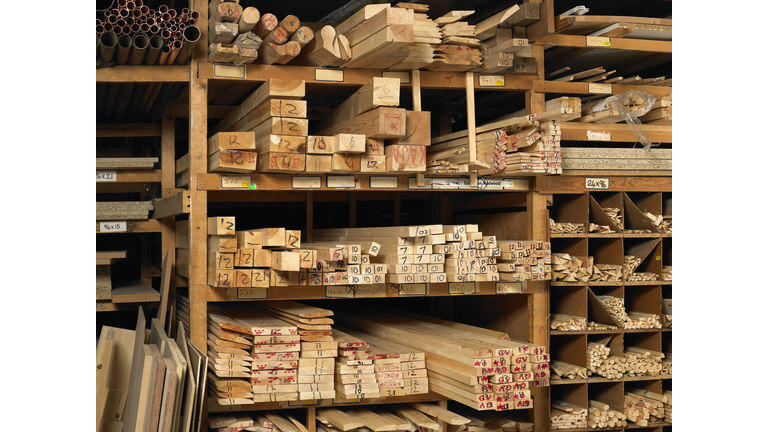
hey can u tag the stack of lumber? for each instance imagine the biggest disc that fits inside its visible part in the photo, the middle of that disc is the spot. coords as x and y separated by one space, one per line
264 421
642 409
104 262
343 264
265 370
491 420
565 227
600 75
360 125
457 49
608 159
666 313
355 376
615 26
606 273
642 362
401 417
122 210
660 113
615 109
317 354
598 326
564 322
502 51
563 370
420 53
642 320
602 416
569 268
597 74
524 260
146 386
399 370
470 365
567 416
512 145
374 32
232 152
276 118
615 307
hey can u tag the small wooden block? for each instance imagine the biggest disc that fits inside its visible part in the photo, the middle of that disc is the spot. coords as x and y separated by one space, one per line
231 141
292 239
373 163
348 143
249 239
318 163
262 258
345 162
244 258
286 261
417 129
222 243
281 162
243 278
234 161
278 278
260 278
406 158
320 144
221 278
374 146
221 225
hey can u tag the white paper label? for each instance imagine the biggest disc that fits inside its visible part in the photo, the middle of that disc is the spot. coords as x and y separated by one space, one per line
490 80
340 181
483 183
112 227
376 182
375 290
235 182
228 71
106 176
596 183
412 289
461 288
251 293
597 88
598 136
509 287
598 41
307 182
331 75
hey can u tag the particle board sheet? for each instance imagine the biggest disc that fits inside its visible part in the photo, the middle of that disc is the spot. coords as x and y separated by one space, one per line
616 159
126 163
130 210
133 292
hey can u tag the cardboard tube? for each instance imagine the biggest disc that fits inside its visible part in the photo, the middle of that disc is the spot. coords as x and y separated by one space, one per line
139 50
153 52
108 45
124 44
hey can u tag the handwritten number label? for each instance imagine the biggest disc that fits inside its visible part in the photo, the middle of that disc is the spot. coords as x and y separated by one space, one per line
596 183
106 176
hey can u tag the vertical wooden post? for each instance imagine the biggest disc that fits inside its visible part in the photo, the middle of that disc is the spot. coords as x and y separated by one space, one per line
538 229
198 214
168 186
471 118
311 420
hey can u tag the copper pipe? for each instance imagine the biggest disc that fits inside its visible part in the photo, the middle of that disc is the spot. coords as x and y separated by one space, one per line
165 16
107 27
182 26
195 15
174 29
121 23
117 30
99 29
184 14
175 48
150 21
130 5
172 12
130 21
135 28
139 3
124 13
191 22
137 13
106 13
165 34
144 28
112 19
153 52
108 44
121 4
144 10
162 8
191 37
164 53
124 43
154 29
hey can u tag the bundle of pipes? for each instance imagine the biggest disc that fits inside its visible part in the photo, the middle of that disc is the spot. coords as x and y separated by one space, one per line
133 33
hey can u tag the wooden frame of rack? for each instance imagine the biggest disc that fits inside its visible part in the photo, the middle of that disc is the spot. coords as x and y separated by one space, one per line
201 188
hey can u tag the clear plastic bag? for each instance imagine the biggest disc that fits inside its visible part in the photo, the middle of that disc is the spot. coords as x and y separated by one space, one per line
631 105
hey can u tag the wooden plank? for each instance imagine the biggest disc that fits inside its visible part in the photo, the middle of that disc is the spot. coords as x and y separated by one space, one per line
156 387
144 74
104 350
273 88
184 421
417 129
174 205
384 123
376 93
482 29
135 387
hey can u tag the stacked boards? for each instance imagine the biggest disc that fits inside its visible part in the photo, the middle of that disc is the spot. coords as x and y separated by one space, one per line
400 417
263 421
519 145
470 365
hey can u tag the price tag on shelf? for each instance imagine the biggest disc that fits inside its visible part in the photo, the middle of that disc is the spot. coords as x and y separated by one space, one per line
251 293
598 136
371 291
329 75
596 183
228 71
299 182
340 182
509 287
236 182
340 291
490 80
106 176
113 227
461 288
598 41
412 289
377 182
597 88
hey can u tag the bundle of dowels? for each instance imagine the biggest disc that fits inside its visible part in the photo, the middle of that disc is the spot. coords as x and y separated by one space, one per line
615 307
244 35
318 349
392 369
563 370
642 320
643 362
471 365
602 416
525 144
568 268
565 227
567 322
567 416
270 122
641 408
601 362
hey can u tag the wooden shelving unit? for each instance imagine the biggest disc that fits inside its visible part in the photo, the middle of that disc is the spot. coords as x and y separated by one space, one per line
201 96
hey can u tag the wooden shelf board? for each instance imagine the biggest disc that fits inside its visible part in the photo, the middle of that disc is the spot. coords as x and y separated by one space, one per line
134 226
630 425
615 283
340 292
610 173
587 332
577 235
130 175
128 130
641 235
582 88
620 132
108 306
134 291
567 381
570 185
579 41
214 406
359 77
666 329
604 235
362 182
143 74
